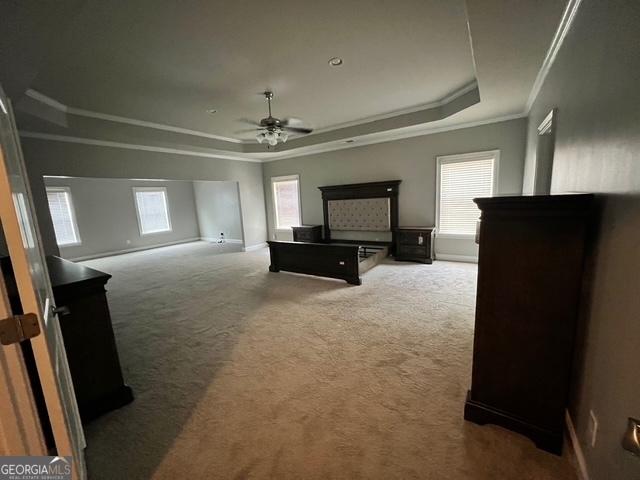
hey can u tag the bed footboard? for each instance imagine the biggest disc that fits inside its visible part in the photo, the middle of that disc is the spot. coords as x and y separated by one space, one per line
320 259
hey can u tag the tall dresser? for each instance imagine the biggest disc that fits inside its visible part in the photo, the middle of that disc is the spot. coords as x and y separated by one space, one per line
530 272
88 336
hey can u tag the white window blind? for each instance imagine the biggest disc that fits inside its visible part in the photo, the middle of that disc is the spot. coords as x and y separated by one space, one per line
286 200
460 182
63 216
153 211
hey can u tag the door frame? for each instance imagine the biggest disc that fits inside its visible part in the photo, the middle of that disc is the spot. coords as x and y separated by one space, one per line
20 429
69 439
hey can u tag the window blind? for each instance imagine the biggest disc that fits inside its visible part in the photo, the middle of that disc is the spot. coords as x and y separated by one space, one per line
62 216
461 182
152 211
286 202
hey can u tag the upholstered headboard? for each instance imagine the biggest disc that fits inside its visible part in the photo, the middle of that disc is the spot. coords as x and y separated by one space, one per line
360 214
361 207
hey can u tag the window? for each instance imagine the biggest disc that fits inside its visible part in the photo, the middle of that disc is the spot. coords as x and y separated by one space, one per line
153 210
461 178
63 216
286 201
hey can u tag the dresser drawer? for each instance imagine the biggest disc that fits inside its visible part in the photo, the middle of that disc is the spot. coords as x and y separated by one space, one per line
303 236
414 244
412 251
413 238
307 233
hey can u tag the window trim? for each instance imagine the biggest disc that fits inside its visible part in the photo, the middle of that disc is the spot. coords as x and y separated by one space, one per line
166 203
284 178
461 158
72 211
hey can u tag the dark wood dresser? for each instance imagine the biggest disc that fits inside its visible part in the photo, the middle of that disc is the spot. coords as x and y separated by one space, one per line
414 244
530 273
307 233
87 332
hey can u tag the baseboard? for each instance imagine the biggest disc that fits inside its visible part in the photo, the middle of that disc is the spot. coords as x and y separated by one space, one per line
258 246
581 463
226 240
456 258
131 250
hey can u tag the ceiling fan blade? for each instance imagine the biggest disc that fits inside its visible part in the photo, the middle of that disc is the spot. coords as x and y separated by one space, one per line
250 122
292 122
298 129
248 130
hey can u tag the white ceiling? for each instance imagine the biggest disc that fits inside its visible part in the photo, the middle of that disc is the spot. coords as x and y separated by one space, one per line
168 62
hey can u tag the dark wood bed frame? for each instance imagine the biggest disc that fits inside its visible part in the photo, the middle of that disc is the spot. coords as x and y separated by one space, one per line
388 189
336 258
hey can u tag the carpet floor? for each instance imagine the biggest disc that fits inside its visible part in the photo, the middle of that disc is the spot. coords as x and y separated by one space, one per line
239 373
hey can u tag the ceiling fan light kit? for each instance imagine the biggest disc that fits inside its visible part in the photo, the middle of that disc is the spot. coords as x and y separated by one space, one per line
272 137
272 130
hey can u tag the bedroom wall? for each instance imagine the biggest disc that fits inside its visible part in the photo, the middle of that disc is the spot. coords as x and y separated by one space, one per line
218 208
107 220
412 160
45 157
594 85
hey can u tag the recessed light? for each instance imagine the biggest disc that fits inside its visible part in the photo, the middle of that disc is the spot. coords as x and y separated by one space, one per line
335 61
212 111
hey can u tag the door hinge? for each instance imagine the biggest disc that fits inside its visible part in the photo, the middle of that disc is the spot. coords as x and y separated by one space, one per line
19 328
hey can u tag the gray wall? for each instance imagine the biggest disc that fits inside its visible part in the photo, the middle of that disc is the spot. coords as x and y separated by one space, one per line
594 83
218 208
106 214
412 160
44 157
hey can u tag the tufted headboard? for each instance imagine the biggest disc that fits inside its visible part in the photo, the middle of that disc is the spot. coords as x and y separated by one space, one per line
361 207
360 214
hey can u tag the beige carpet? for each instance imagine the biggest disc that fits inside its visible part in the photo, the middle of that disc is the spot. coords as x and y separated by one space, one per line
244 374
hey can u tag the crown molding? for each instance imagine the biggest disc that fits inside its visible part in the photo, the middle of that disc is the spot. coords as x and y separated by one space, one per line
132 146
427 106
40 97
387 136
558 39
55 104
275 156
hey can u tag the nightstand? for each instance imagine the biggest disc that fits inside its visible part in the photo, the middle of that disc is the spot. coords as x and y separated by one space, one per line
414 244
307 233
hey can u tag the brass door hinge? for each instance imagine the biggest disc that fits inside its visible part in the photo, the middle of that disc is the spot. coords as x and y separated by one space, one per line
19 328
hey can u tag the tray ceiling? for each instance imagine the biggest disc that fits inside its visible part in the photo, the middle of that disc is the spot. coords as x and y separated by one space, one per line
169 62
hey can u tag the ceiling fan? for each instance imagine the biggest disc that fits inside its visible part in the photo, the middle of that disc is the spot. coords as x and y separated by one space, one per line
272 129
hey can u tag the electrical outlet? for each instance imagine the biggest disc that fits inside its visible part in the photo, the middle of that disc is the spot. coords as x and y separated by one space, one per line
128 242
593 428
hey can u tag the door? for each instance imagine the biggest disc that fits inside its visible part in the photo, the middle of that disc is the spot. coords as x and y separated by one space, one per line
32 279
20 430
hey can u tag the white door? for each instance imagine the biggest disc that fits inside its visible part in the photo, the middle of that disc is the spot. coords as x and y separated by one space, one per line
32 279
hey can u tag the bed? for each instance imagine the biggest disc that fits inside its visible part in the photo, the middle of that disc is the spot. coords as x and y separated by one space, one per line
360 222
